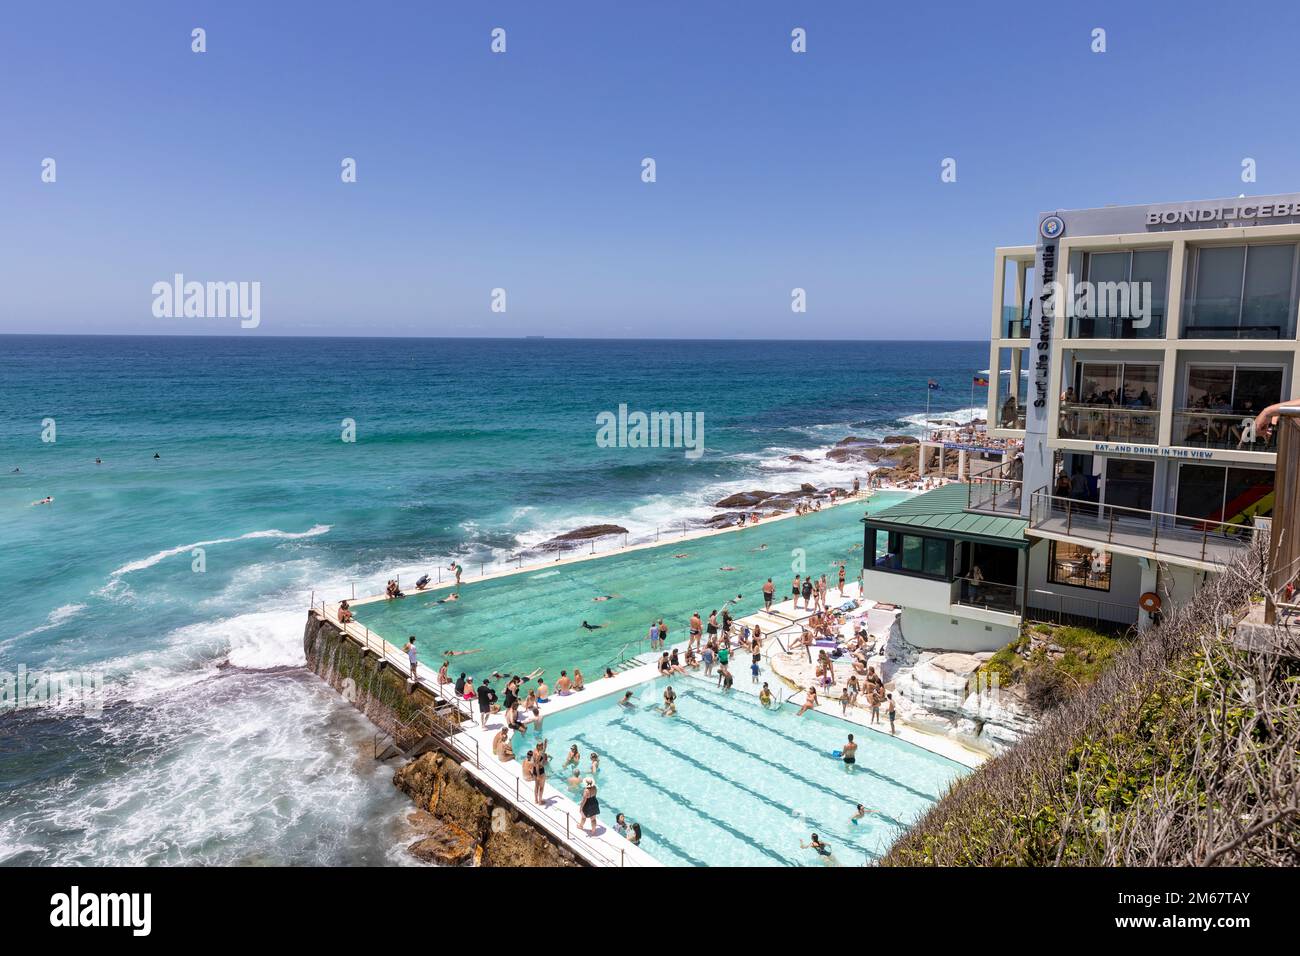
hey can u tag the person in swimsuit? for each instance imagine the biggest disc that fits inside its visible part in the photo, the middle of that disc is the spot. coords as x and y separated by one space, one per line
590 807
809 701
592 627
850 754
892 714
442 674
860 813
455 569
765 695
794 590
670 702
627 700
604 597
578 682
769 591
820 848
450 597
501 745
539 772
634 834
572 759
411 656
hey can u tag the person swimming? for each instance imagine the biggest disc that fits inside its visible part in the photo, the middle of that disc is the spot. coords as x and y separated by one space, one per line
47 500
604 597
726 567
817 845
453 596
476 650
593 627
156 455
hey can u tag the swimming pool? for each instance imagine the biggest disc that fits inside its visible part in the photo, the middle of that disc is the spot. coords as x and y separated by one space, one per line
534 619
727 783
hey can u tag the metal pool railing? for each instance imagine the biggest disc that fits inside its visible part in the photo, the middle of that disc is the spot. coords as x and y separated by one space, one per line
558 823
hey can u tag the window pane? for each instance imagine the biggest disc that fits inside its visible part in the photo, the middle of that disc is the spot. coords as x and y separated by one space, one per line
913 553
1108 267
1079 566
1099 383
1249 493
1141 386
1209 388
936 557
1267 305
1200 492
1151 266
1256 389
1218 288
1128 484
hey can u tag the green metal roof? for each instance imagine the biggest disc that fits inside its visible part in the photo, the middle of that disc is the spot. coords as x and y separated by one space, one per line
943 511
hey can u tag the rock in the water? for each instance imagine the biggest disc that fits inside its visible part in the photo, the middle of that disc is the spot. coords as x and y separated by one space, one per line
900 440
799 458
744 499
583 534
808 488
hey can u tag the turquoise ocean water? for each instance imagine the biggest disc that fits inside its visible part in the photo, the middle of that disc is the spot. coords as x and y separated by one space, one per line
216 745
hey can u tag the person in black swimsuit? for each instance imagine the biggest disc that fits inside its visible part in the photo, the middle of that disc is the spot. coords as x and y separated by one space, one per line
590 805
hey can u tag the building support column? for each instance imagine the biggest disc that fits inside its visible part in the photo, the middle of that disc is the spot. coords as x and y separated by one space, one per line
961 464
922 455
1149 582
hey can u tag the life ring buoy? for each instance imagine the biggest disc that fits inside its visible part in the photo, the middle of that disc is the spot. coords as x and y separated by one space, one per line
1149 602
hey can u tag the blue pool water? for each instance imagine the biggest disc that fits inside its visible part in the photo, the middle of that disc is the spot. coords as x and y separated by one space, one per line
727 783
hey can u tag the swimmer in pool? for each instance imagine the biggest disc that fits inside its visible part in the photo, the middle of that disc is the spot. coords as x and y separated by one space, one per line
47 500
593 627
820 848
604 597
860 813
670 702
453 596
627 700
476 650
683 555
726 567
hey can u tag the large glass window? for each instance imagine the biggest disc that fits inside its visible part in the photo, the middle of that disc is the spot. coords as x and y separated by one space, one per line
1078 566
1208 494
1241 292
1220 403
917 554
1138 312
1013 387
1112 401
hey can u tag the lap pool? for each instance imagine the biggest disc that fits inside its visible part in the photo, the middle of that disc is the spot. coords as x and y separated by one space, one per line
727 783
534 618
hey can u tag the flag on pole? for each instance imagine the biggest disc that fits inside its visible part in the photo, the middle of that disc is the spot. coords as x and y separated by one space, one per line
932 384
981 381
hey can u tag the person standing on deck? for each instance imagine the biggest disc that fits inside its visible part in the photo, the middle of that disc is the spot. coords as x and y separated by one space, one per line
486 695
455 569
654 635
794 590
841 580
697 626
807 593
411 657
892 713
769 589
663 633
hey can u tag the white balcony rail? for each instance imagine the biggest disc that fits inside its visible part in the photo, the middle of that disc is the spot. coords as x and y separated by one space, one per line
1165 535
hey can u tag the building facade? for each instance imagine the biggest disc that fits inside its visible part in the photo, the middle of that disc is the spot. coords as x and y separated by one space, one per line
1132 348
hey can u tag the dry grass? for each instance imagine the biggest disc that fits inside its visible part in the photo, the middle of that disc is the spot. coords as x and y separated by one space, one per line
1184 752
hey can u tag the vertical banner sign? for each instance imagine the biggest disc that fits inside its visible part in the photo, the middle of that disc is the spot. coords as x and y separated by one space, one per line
1042 315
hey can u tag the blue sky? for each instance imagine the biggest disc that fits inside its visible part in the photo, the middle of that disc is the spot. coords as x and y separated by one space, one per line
522 170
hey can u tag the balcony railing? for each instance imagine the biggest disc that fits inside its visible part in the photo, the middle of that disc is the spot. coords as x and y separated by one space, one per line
1230 318
999 496
1015 322
1165 535
1200 429
1109 423
1119 328
989 595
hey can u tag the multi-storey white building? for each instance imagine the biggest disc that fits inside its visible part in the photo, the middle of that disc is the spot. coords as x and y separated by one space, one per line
1133 347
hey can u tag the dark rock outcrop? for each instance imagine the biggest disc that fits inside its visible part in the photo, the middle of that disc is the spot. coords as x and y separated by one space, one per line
584 533
900 440
463 822
744 499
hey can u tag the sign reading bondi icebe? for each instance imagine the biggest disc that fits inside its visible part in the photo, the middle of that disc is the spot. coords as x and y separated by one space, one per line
1198 213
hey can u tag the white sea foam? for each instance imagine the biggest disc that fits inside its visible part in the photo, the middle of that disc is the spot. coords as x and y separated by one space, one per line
59 615
116 576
